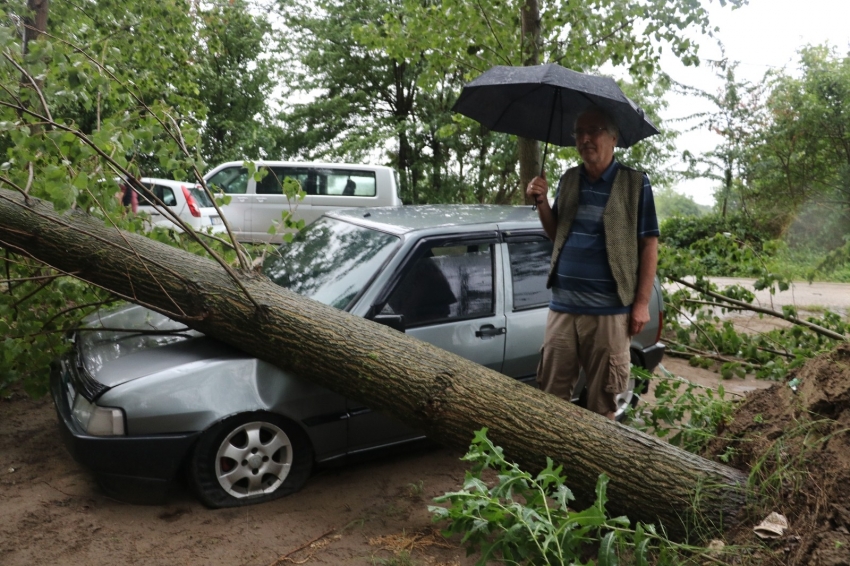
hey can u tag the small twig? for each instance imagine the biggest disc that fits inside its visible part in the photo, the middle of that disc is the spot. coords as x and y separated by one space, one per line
29 178
176 332
286 556
32 82
39 278
74 308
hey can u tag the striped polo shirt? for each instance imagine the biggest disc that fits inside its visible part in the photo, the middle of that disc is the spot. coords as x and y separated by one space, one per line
584 283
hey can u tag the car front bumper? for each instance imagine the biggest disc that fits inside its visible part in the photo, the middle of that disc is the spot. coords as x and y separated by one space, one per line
136 469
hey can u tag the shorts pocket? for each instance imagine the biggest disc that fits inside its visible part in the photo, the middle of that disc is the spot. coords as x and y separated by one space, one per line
539 378
619 368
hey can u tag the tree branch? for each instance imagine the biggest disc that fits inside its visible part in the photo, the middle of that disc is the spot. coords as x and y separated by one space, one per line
747 306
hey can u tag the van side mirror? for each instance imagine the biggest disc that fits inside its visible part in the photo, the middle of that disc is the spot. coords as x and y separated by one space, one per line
394 321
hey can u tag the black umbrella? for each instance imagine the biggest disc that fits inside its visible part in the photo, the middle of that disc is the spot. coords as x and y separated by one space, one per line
542 103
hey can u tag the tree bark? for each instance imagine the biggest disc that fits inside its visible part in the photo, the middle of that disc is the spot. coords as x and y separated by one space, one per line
442 394
528 149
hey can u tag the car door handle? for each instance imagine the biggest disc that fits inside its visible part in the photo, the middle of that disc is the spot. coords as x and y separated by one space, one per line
241 199
261 199
488 331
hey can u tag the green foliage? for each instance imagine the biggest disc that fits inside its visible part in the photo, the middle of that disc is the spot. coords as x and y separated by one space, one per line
685 231
670 204
36 306
76 123
700 327
736 118
511 516
387 74
237 73
688 418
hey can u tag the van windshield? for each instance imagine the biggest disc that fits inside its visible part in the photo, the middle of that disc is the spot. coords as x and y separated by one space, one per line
331 261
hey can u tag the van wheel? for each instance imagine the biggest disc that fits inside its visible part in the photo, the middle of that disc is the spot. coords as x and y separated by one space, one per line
250 458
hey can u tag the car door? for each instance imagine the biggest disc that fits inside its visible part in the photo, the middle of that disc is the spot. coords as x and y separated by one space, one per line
526 257
234 181
449 294
164 195
270 202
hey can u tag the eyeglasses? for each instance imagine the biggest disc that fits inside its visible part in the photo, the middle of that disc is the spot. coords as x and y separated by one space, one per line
590 132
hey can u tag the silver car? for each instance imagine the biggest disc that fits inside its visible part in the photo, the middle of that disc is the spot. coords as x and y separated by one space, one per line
142 398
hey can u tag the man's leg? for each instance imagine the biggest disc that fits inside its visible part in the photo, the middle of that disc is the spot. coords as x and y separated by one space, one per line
604 351
558 370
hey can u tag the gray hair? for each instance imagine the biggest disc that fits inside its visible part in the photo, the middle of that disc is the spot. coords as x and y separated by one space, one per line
610 124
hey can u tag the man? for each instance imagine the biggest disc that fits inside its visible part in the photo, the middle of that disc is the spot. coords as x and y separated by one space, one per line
605 231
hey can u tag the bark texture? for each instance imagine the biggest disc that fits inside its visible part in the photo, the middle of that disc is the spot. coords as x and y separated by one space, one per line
442 394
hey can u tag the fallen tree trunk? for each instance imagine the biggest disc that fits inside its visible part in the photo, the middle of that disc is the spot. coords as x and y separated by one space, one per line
446 396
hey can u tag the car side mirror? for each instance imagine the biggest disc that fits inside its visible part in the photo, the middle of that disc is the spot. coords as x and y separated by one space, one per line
394 321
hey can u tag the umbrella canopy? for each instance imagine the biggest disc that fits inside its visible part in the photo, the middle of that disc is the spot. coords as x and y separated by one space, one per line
542 103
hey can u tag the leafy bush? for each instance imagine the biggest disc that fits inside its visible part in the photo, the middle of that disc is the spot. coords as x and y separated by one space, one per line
688 418
525 519
685 231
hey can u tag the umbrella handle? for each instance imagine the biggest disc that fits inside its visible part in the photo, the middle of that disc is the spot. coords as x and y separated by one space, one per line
542 169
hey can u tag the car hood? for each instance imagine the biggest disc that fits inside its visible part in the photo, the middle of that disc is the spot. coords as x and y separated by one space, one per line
122 344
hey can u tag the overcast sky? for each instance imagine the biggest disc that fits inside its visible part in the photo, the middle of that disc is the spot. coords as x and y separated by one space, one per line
762 35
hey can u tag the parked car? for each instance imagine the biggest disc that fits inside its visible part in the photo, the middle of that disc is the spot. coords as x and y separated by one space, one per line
188 201
139 407
256 205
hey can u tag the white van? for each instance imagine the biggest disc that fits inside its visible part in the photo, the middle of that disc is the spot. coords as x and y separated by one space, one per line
256 205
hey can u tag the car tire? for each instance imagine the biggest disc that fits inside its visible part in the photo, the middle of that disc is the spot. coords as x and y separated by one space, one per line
250 458
628 398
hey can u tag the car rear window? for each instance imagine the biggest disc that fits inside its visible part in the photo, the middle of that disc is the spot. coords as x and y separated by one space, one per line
331 261
201 197
529 272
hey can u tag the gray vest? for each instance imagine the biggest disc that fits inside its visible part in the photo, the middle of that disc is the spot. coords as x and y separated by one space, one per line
620 220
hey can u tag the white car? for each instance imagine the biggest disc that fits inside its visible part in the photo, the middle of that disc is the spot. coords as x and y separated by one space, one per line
188 201
256 205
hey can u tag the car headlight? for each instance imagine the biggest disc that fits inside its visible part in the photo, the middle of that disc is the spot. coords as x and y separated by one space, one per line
98 421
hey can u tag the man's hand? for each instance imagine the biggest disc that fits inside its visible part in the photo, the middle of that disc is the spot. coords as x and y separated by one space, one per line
538 190
639 318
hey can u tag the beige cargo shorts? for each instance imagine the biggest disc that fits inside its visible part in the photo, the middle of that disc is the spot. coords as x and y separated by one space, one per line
597 344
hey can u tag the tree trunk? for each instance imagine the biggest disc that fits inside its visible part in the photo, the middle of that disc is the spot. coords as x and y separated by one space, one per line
35 22
528 149
442 394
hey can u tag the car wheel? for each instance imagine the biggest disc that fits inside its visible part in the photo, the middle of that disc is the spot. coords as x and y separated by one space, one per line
250 458
626 399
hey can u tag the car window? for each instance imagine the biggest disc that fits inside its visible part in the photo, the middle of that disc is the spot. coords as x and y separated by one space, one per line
231 180
164 194
529 272
201 196
331 261
331 182
271 183
349 183
446 283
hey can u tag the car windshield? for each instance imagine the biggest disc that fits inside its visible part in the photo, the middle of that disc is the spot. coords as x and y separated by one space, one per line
331 261
201 197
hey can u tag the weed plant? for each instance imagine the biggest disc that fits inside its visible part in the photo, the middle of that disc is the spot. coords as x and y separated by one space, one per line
519 518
